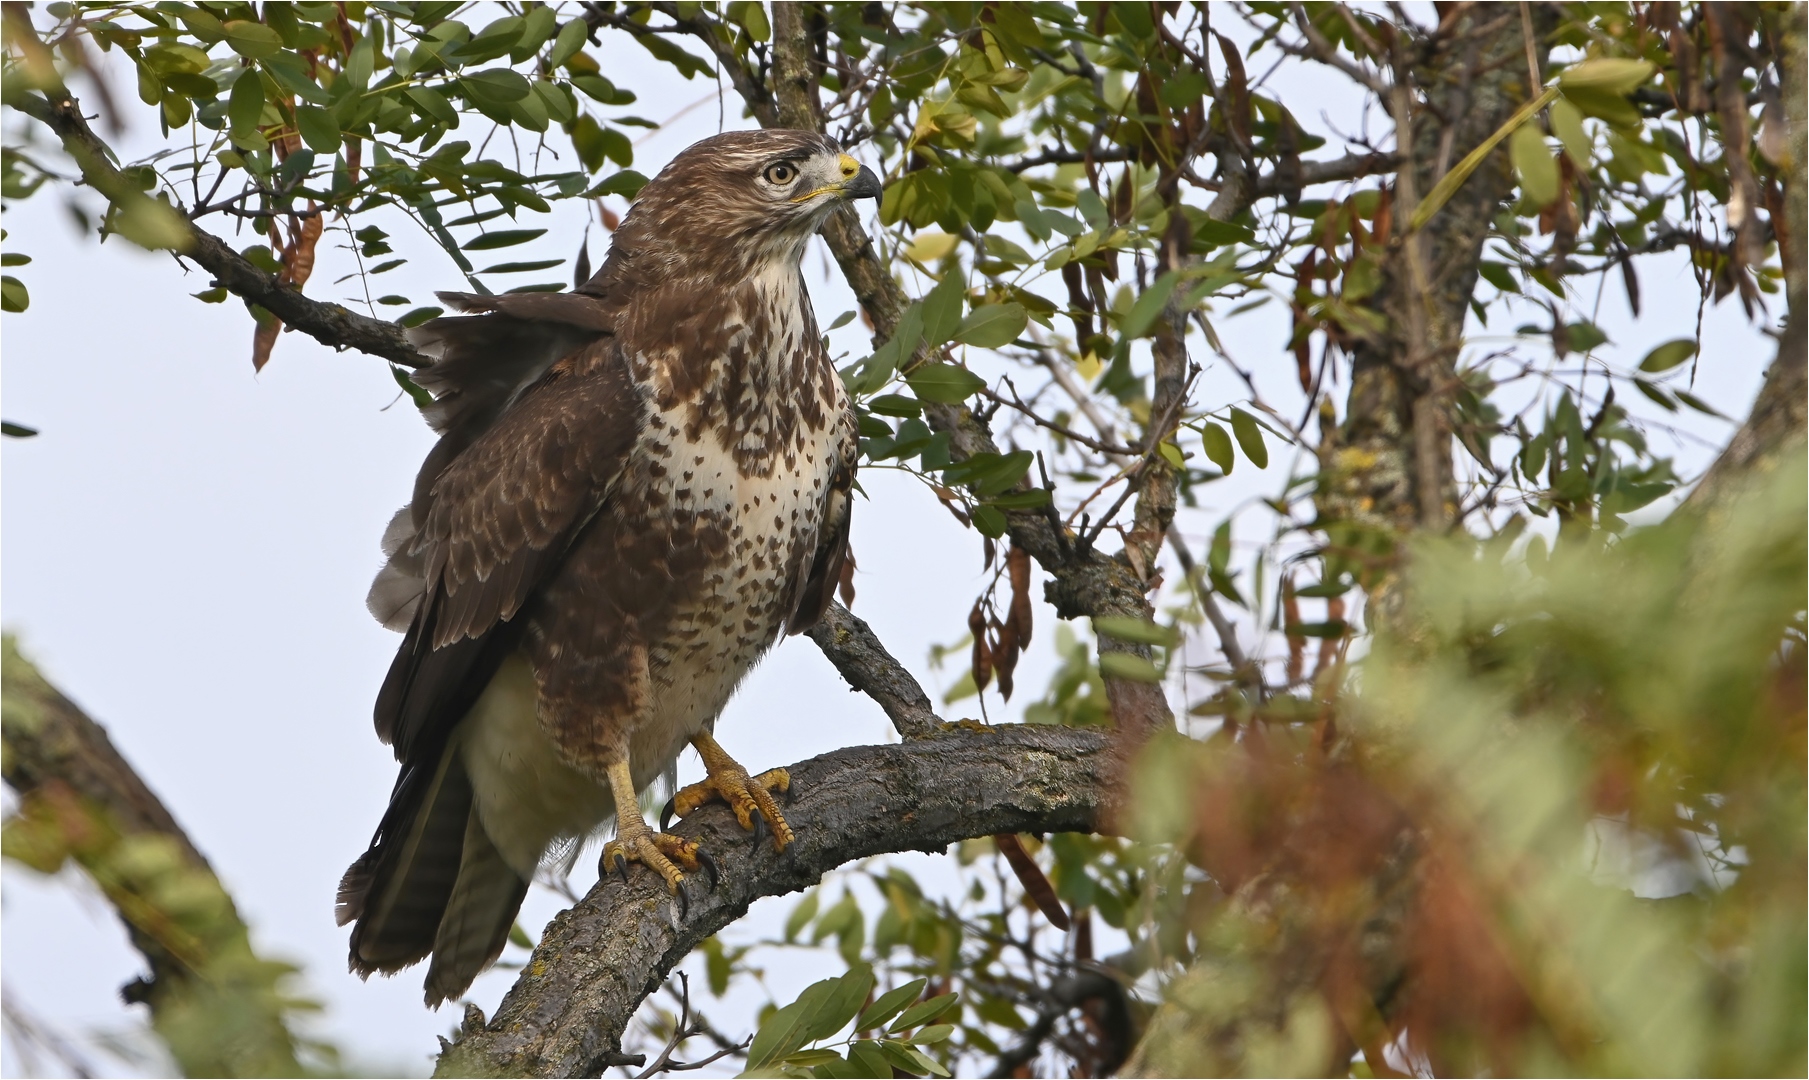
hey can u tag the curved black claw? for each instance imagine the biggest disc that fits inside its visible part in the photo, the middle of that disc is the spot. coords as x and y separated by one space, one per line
622 866
709 865
666 813
760 829
681 896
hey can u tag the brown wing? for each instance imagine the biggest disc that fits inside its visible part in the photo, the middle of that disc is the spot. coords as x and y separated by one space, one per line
499 518
832 535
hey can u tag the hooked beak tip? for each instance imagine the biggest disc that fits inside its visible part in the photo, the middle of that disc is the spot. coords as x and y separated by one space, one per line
864 185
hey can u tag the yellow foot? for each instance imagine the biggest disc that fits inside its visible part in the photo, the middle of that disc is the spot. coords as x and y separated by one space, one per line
749 796
660 852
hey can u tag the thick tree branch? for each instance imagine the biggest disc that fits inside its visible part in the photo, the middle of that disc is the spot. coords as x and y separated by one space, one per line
1775 427
851 646
80 800
329 324
597 961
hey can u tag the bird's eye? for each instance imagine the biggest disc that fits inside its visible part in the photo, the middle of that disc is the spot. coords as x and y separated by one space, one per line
780 172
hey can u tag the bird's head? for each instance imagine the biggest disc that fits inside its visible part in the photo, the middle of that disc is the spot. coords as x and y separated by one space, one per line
744 197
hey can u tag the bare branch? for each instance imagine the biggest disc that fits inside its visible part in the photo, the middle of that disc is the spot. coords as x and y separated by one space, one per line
851 646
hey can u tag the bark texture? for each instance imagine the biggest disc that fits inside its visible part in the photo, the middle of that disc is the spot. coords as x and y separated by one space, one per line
1387 471
1774 429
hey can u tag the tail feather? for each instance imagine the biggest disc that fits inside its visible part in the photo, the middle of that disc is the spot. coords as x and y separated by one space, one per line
478 917
432 883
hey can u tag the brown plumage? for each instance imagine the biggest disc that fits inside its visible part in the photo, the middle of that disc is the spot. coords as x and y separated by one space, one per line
638 487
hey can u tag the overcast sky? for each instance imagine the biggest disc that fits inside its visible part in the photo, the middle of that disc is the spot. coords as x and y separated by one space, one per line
187 546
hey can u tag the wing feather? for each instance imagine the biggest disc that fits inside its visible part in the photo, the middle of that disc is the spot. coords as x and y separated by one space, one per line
818 588
500 518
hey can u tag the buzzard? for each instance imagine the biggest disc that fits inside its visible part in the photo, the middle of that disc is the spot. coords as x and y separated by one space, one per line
638 486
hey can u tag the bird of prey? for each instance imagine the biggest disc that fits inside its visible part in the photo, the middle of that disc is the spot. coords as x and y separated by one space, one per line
638 486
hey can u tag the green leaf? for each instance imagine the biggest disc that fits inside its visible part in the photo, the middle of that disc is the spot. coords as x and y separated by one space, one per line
990 474
1217 233
626 183
866 1056
253 40
923 1012
14 296
17 431
1584 336
1614 108
989 521
895 405
1609 74
494 86
942 308
571 38
433 104
752 17
211 296
1021 500
1250 437
291 73
14 258
1143 313
1498 275
840 1002
1532 456
805 1059
521 267
517 936
420 315
993 325
152 224
1697 403
933 1034
1336 628
1669 355
1218 447
600 89
1128 666
889 1004
946 384
1656 393
908 1058
820 1011
1136 631
779 1037
1567 125
502 238
1534 163
246 104
801 915
422 399
318 128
